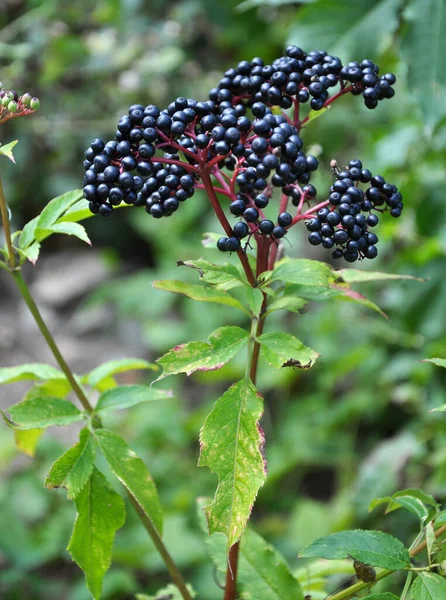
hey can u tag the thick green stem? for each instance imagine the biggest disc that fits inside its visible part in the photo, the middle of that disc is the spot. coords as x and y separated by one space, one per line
173 570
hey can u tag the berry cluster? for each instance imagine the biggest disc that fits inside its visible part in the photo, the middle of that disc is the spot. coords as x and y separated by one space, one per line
298 77
13 105
250 148
345 222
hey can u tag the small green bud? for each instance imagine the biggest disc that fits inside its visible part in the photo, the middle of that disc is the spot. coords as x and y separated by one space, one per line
6 100
12 106
26 99
35 103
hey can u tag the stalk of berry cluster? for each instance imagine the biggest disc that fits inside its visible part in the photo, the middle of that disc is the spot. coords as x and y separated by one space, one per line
15 271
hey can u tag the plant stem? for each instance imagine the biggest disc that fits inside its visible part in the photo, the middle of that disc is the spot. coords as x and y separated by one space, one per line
175 574
351 591
6 227
207 182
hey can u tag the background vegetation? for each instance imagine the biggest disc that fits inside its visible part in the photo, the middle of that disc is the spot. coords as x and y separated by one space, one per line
358 425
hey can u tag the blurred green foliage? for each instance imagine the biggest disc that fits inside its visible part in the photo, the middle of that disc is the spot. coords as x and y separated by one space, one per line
358 425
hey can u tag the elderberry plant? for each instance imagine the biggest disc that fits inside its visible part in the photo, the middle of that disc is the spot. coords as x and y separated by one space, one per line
243 146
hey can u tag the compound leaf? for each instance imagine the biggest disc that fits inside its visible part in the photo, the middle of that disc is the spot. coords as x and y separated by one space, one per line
101 512
126 396
73 469
36 413
224 344
231 443
284 350
132 473
376 548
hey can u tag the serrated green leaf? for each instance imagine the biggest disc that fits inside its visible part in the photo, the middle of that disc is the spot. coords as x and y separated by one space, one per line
56 207
6 150
292 303
199 292
73 469
76 212
375 548
41 412
126 396
429 586
315 114
302 271
224 344
31 371
41 233
31 253
358 276
413 500
26 440
381 596
101 512
351 30
284 350
231 443
424 47
27 234
132 473
170 592
112 367
440 362
225 276
254 299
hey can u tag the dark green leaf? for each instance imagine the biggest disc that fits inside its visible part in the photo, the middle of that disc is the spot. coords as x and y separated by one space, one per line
199 292
42 412
413 500
303 271
73 469
375 548
429 586
126 396
225 342
284 350
101 512
132 473
247 4
225 276
381 596
424 48
231 446
31 371
95 377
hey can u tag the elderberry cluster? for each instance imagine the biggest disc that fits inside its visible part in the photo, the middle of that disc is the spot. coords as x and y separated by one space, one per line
300 77
345 223
13 105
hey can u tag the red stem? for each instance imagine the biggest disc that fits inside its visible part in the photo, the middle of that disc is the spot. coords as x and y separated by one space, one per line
341 92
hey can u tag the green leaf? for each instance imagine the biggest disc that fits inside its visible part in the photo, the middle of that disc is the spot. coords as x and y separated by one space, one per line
26 440
225 342
381 596
226 275
27 234
413 500
6 150
231 443
424 47
31 371
101 512
351 30
132 473
199 292
429 586
284 350
56 207
292 303
126 396
302 271
42 412
77 212
95 377
358 276
440 362
73 469
376 548
75 229
170 592
247 4
315 114
31 253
